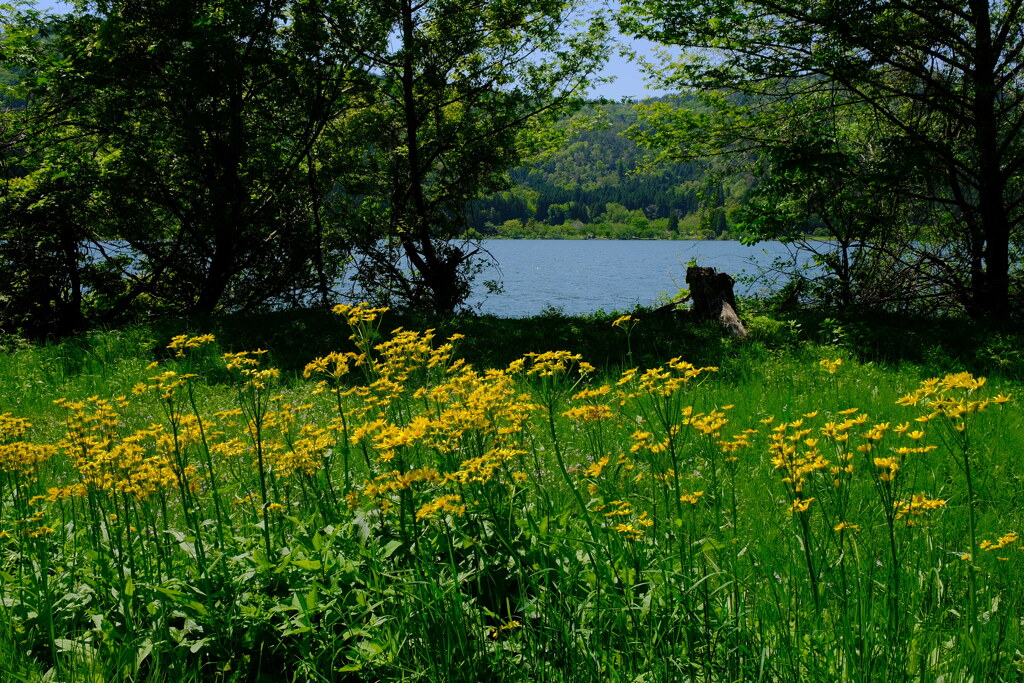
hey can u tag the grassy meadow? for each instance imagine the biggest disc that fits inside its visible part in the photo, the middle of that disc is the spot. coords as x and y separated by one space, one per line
609 498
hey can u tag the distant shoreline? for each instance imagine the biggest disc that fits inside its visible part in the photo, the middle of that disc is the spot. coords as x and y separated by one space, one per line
584 238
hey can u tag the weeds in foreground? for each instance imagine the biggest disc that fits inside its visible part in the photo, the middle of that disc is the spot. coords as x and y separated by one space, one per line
404 515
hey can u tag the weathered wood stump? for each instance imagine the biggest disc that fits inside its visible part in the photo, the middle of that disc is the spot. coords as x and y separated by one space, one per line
713 299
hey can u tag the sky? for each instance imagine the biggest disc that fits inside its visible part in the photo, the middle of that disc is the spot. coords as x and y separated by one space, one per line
628 80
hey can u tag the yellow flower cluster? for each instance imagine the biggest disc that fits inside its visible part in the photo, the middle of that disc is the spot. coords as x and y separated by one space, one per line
595 468
182 342
426 437
709 424
334 365
801 504
247 363
359 313
632 529
166 384
830 366
666 380
395 481
16 455
590 413
738 442
303 454
917 505
1001 542
796 454
509 626
951 397
408 351
620 508
105 462
645 441
482 469
888 468
691 497
550 364
447 503
12 427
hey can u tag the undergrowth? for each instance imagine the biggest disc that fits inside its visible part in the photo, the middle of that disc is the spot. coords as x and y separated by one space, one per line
774 509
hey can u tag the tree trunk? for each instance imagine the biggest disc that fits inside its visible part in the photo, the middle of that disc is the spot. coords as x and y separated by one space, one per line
438 275
713 298
994 289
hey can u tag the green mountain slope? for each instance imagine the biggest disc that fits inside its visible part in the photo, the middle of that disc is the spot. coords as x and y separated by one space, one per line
598 184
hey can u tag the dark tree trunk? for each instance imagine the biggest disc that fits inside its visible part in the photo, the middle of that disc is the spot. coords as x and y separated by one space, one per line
228 195
992 294
70 317
316 203
438 270
713 299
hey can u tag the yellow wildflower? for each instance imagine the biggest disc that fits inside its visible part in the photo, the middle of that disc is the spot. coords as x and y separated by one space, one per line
889 466
801 504
182 342
447 503
589 413
831 366
596 468
359 313
629 531
917 505
1001 542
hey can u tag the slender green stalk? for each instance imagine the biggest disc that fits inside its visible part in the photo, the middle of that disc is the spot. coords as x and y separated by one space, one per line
222 518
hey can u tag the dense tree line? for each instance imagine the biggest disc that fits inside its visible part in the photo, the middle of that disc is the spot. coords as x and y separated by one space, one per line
201 156
895 123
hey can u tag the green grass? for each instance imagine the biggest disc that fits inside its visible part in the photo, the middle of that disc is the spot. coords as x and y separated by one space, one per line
519 518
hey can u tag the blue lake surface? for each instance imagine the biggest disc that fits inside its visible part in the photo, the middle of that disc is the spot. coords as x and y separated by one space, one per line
583 276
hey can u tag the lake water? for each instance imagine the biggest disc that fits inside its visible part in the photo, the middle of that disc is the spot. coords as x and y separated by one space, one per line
582 276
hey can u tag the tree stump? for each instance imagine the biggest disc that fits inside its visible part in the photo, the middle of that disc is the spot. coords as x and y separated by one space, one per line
713 298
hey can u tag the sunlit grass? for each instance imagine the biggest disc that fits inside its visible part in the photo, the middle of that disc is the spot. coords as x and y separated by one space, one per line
396 513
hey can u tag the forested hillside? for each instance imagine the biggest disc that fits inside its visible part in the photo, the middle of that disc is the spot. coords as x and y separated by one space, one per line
601 184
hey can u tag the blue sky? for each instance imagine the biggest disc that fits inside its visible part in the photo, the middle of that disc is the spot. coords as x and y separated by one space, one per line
628 83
